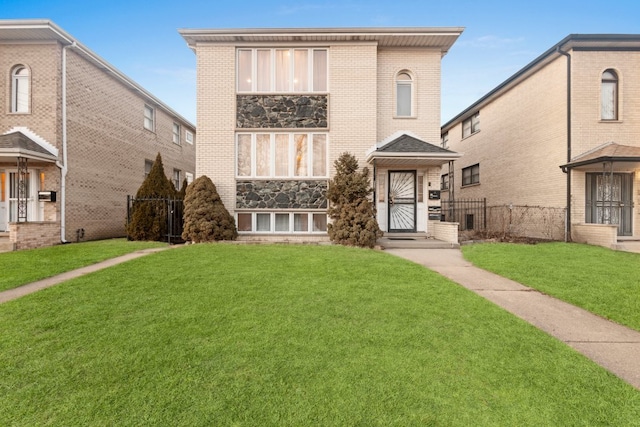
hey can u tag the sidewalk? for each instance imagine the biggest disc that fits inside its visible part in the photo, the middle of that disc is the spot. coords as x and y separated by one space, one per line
612 346
15 293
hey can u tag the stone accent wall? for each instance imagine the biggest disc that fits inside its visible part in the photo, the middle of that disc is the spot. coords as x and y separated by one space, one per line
272 194
281 111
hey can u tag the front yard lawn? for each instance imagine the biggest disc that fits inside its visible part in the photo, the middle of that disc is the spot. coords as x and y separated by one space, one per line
600 280
22 267
257 335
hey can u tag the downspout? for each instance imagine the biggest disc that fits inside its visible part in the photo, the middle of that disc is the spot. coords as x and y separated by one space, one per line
63 166
567 228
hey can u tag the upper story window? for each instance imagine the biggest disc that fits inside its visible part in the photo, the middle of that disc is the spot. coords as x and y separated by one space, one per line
444 140
20 89
281 155
149 118
471 175
471 125
282 70
404 95
609 93
176 133
188 136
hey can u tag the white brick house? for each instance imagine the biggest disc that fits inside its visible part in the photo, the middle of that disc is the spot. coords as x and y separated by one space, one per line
73 126
562 133
277 107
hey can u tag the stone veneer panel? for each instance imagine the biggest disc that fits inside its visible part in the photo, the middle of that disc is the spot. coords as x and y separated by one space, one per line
281 111
273 194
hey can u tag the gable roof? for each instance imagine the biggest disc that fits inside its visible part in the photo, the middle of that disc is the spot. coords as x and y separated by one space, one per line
609 152
406 148
441 38
38 30
20 142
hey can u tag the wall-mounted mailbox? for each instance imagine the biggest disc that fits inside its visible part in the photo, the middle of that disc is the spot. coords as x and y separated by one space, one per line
434 209
434 194
46 196
434 216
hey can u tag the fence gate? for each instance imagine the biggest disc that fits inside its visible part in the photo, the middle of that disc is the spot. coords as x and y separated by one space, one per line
173 208
470 214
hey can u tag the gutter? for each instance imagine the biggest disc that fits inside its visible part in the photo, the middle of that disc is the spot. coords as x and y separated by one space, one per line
567 227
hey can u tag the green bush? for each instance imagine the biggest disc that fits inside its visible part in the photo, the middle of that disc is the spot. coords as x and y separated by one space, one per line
353 216
149 217
205 217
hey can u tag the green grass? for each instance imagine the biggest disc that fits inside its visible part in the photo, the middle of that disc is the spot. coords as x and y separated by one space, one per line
288 336
22 267
600 280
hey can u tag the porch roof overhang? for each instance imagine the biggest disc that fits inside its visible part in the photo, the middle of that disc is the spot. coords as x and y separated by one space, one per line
404 149
20 142
620 156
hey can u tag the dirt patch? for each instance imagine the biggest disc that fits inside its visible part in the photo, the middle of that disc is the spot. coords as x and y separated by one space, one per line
485 236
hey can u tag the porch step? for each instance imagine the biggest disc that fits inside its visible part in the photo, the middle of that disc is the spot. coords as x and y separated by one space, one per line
5 243
412 241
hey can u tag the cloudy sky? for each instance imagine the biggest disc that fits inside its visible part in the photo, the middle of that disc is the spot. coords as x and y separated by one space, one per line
140 38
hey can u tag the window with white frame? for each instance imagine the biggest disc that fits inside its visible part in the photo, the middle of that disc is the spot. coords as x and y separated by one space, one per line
177 182
471 125
609 96
282 70
471 175
420 189
188 136
189 177
149 117
20 89
404 95
286 155
176 133
281 222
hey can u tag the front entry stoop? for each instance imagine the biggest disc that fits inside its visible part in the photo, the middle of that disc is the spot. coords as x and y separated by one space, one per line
413 241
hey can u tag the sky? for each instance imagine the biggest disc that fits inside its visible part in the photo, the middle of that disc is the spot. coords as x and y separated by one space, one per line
140 38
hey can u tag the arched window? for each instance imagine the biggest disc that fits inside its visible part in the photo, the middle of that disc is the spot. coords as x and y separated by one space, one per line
404 94
20 89
609 95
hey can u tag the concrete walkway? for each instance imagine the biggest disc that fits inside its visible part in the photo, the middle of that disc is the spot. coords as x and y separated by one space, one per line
15 293
612 346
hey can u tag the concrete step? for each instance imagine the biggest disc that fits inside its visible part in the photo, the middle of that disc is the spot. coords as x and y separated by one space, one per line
412 241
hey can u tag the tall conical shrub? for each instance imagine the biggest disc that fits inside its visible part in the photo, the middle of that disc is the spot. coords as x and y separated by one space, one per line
352 214
205 217
149 217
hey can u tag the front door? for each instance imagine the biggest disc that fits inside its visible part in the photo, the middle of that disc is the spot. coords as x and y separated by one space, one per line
402 201
610 200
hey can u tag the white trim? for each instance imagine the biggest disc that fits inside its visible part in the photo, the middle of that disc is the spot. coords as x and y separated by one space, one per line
35 138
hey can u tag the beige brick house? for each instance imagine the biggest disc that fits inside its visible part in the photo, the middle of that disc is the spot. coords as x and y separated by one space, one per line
277 107
76 137
560 136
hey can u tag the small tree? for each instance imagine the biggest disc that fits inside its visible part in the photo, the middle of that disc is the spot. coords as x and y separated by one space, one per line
351 211
205 217
149 216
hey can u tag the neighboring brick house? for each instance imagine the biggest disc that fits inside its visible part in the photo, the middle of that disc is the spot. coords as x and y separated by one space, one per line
72 124
277 107
561 135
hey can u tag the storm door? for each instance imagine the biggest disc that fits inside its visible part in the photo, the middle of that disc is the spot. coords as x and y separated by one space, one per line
610 200
402 201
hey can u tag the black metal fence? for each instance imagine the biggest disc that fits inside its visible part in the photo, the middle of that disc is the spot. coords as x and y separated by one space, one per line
173 209
470 214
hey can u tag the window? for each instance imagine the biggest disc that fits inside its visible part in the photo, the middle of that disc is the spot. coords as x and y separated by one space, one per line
420 189
444 182
471 175
177 182
148 164
282 70
282 222
176 133
444 140
189 177
381 187
471 125
404 96
188 136
286 155
149 118
609 106
20 89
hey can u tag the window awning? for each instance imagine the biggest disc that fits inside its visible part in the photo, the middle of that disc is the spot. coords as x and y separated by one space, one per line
406 150
20 142
611 152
